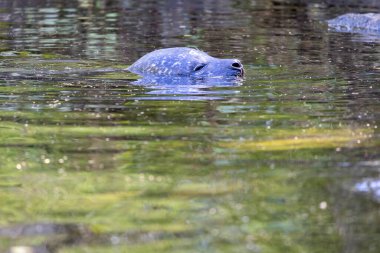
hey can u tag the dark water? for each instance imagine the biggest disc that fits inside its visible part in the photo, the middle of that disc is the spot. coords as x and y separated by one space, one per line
287 161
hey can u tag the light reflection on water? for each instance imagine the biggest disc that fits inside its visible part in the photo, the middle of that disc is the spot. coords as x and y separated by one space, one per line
283 161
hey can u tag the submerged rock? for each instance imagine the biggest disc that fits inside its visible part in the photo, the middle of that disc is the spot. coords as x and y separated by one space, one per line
369 186
58 236
353 22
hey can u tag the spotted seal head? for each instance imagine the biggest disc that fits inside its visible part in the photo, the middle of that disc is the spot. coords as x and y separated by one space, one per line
188 62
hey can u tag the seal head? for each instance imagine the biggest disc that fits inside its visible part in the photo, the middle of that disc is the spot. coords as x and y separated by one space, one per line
188 62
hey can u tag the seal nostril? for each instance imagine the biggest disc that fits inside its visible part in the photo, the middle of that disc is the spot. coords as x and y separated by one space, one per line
236 65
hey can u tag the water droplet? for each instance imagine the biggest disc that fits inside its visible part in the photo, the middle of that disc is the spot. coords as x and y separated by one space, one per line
323 205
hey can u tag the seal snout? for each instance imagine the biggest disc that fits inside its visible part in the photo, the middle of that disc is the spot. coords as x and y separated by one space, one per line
236 65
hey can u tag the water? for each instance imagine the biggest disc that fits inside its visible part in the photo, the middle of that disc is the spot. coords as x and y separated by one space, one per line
90 161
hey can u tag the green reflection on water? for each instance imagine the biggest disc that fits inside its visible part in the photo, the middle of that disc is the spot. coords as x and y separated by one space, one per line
200 183
268 168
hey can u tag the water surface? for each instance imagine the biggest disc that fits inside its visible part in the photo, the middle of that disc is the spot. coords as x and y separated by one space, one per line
90 161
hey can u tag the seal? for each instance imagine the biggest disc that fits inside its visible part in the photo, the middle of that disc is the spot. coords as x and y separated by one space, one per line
185 62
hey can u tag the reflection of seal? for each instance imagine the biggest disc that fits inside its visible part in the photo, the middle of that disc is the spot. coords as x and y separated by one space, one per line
182 61
352 22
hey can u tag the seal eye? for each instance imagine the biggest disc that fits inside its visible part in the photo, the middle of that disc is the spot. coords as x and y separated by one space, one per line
199 67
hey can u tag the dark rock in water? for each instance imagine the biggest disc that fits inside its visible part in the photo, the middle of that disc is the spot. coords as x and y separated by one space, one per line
39 229
185 62
352 22
58 236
